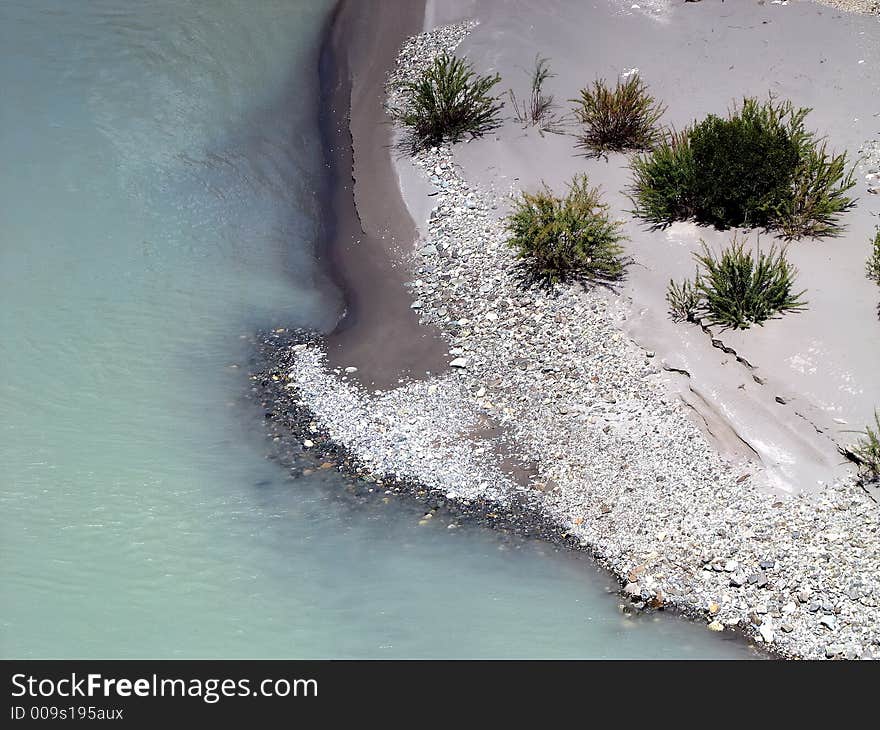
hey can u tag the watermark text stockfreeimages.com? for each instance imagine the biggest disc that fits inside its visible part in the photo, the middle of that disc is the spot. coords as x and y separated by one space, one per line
209 690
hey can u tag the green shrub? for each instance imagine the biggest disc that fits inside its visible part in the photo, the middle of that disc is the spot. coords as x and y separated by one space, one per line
818 195
758 167
663 182
873 266
539 109
737 289
741 288
866 452
566 238
449 100
623 118
745 165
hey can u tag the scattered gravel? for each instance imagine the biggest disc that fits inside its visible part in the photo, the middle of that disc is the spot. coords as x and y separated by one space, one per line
664 6
870 165
621 471
854 6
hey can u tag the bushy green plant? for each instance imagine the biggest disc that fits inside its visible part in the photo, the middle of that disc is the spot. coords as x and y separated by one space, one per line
741 288
663 181
757 167
819 193
866 452
566 238
745 164
538 110
449 100
622 118
737 289
873 266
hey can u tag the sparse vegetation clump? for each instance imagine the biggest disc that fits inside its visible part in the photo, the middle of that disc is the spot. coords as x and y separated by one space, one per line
685 299
448 101
539 109
872 268
757 167
737 289
622 118
572 237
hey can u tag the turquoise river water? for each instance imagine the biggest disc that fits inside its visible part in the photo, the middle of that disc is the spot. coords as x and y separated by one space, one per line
160 163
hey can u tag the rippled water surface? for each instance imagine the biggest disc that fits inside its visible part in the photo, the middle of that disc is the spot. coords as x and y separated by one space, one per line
159 167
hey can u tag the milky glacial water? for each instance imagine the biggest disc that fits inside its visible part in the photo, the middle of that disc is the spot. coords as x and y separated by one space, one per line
159 205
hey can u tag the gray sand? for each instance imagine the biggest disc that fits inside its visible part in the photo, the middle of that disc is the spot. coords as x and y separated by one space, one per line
380 334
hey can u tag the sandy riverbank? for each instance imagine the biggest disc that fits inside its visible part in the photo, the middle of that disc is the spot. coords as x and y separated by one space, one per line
379 334
617 466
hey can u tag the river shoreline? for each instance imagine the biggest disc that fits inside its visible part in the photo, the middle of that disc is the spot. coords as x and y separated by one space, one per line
732 567
366 219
